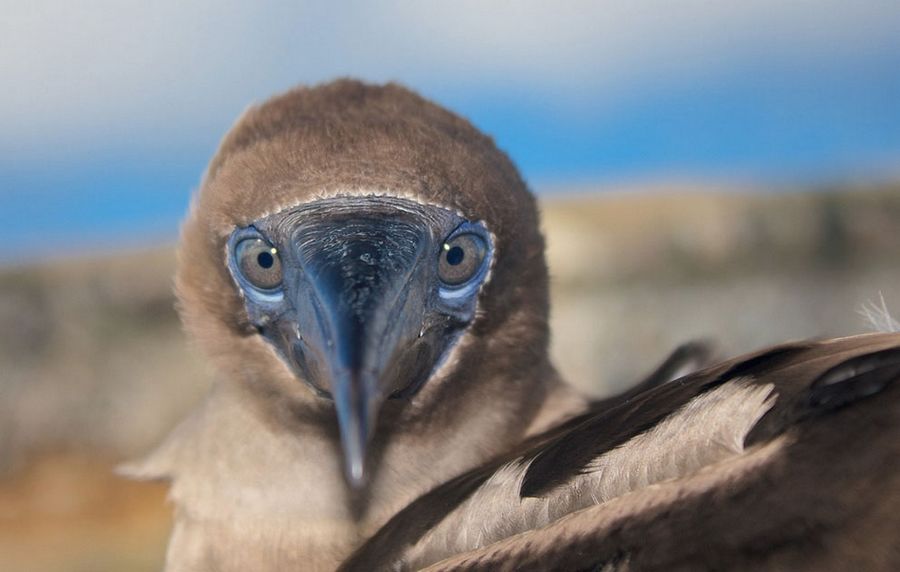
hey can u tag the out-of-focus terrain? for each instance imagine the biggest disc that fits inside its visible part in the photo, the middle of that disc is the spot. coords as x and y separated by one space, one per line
95 369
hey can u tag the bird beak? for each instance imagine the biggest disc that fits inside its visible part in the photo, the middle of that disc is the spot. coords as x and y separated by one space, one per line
356 400
360 298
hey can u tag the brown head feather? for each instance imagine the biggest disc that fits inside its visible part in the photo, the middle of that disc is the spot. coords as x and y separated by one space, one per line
350 138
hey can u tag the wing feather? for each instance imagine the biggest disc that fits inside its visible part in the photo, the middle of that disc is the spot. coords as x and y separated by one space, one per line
815 484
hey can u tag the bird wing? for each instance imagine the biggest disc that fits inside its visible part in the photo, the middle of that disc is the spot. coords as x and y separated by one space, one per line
788 458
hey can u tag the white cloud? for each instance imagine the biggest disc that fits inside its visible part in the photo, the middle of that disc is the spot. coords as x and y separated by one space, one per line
78 72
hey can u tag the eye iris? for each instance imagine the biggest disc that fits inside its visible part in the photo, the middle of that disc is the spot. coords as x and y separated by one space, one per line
259 263
265 259
455 255
461 259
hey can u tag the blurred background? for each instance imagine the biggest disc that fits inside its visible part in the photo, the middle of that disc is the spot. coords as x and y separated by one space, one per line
721 170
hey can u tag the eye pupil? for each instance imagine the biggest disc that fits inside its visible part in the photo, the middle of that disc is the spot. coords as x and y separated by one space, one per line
455 255
265 259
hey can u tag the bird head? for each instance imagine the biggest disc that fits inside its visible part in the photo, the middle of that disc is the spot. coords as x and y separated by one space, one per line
362 259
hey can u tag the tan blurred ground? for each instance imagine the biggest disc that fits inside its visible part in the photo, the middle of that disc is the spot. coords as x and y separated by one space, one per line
94 367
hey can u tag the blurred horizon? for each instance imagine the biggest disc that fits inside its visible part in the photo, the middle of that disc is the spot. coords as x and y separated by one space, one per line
116 107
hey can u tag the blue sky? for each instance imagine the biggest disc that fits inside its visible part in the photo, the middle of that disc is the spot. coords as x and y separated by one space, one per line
111 108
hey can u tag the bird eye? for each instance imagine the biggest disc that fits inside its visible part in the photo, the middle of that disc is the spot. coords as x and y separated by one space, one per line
259 263
461 259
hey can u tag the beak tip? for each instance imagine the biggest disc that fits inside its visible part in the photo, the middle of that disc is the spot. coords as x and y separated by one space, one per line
355 462
354 438
356 474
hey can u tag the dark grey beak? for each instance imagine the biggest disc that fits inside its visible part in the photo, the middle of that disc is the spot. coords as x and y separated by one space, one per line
361 314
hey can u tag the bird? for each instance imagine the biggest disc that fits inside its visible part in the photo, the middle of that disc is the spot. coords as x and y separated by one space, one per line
365 271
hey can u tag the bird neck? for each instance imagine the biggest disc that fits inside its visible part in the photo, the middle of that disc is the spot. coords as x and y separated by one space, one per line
235 467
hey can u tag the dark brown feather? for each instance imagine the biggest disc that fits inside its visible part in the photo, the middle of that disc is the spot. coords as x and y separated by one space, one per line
607 427
805 507
829 501
414 521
